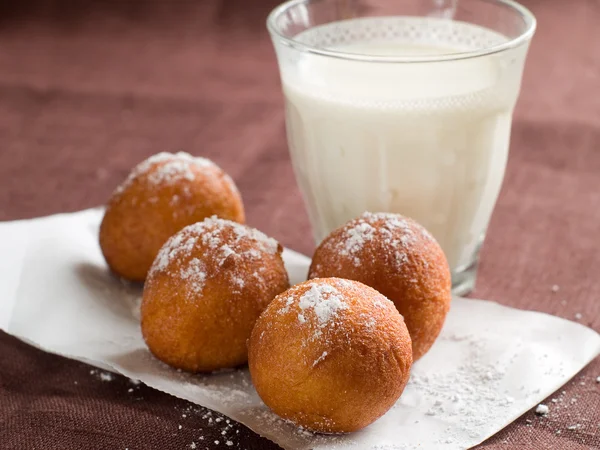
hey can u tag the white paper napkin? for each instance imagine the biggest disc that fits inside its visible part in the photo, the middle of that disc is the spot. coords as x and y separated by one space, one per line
490 365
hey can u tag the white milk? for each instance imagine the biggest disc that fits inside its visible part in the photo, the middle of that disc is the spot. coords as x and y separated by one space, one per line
428 140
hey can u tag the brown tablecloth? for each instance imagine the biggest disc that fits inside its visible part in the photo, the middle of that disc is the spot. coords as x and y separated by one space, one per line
87 89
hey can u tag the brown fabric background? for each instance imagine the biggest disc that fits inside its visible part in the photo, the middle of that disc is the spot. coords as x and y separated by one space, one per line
87 89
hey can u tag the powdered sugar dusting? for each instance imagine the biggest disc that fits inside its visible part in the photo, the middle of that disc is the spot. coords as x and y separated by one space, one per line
179 244
396 232
324 300
321 300
220 240
226 251
355 239
393 230
212 238
174 168
212 228
288 303
195 274
391 220
268 244
210 231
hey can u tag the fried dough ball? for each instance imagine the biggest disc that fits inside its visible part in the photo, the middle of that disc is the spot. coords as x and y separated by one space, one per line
204 292
399 258
330 355
162 195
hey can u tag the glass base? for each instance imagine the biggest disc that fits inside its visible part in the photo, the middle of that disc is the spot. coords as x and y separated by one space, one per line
464 277
463 282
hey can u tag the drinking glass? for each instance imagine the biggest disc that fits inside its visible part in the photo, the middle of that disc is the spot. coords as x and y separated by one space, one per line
402 106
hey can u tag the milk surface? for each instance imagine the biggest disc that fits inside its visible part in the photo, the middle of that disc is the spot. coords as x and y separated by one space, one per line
428 140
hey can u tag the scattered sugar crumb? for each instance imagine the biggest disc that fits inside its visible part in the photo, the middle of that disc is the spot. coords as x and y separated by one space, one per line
598 380
319 359
103 376
184 416
378 304
130 390
179 427
136 382
371 323
542 410
578 316
555 288
574 427
193 445
216 442
563 302
239 282
229 443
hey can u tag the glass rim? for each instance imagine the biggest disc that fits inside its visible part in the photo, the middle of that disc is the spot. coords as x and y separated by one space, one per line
525 14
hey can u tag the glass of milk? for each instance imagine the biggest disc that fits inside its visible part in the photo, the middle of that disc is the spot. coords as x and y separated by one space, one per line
402 106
